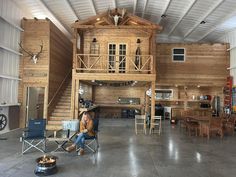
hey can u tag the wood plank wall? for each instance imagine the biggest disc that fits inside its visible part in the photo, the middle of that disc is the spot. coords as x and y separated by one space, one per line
33 75
60 59
205 64
110 95
117 36
53 63
106 36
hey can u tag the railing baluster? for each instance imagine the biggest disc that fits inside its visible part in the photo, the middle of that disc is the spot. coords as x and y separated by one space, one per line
125 63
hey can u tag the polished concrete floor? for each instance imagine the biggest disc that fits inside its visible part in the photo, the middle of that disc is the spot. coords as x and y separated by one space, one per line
122 153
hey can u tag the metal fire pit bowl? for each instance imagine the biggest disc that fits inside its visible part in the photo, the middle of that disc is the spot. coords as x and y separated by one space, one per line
46 165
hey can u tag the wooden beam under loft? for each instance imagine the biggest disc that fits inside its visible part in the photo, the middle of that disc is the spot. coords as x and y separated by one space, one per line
114 27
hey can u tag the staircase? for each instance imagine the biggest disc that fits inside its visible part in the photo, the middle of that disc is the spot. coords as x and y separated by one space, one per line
61 111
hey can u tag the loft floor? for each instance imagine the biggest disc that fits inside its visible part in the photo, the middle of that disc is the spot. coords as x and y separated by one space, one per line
124 154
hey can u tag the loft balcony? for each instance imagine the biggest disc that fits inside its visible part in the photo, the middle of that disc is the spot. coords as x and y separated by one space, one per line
104 63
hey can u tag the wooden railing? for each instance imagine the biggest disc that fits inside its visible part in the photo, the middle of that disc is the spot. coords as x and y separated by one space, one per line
104 63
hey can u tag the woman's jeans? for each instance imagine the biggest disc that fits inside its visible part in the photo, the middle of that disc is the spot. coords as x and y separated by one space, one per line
81 139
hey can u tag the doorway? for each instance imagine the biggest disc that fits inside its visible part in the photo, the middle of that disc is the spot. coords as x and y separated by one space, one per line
34 103
117 57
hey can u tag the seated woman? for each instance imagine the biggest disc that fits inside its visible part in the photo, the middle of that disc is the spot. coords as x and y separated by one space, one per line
86 131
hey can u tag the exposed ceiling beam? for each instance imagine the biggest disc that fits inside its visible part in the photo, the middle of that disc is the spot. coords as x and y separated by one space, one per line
134 7
189 8
72 10
53 18
115 3
93 7
204 17
218 24
164 11
144 7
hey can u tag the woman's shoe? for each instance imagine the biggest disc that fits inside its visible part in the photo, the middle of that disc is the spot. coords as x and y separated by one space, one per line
70 148
81 152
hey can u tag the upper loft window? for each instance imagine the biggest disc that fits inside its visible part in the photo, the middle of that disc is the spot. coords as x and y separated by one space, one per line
178 55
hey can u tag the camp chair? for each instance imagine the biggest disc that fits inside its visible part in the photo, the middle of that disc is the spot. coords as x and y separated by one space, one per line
34 136
91 143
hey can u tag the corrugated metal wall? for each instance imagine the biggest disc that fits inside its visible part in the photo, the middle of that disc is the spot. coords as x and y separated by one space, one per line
10 31
231 38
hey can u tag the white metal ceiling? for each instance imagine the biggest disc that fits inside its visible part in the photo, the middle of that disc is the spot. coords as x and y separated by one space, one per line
181 24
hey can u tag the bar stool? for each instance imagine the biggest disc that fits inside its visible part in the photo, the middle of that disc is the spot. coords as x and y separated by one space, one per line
140 122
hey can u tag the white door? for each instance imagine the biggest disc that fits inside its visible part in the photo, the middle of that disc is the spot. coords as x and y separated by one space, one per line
117 57
34 103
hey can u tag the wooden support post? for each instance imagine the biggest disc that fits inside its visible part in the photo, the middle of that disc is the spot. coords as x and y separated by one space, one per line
74 41
76 99
153 51
72 108
45 109
153 87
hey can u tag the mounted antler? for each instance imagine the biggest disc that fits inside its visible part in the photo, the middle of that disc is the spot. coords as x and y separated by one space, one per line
33 56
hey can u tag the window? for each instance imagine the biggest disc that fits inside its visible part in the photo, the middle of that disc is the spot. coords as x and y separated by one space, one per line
164 93
178 55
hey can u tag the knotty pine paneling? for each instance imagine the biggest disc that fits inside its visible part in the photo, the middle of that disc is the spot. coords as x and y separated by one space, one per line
53 63
110 95
60 59
204 64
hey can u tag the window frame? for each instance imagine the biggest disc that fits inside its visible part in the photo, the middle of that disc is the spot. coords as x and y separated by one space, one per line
178 54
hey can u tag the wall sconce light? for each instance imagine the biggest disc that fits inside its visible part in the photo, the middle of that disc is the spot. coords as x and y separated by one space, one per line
202 22
138 41
163 15
94 40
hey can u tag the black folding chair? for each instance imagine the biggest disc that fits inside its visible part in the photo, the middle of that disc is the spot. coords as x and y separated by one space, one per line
34 136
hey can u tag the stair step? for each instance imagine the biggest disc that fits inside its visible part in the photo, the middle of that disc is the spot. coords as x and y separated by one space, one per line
61 114
64 100
55 122
61 110
53 127
66 97
56 118
62 106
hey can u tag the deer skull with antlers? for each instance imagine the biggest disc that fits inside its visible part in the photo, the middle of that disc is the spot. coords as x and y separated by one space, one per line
34 57
116 15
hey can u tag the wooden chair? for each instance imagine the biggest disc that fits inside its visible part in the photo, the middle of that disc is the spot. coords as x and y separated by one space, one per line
229 125
140 122
215 126
155 126
192 127
183 119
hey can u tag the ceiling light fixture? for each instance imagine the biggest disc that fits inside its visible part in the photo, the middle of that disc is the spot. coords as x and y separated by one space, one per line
203 22
163 15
